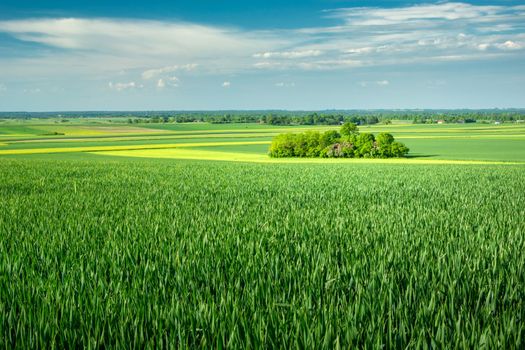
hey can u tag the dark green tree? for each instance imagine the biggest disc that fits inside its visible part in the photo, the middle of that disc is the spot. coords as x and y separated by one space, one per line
349 129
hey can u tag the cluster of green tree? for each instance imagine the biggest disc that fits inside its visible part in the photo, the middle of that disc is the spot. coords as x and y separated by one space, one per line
348 143
318 119
444 118
152 120
271 119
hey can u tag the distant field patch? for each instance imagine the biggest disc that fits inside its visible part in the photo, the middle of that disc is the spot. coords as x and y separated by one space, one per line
122 130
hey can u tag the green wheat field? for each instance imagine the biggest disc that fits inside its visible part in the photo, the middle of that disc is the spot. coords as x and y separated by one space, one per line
190 236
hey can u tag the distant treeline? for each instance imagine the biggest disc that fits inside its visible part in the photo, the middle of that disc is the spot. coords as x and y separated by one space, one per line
271 119
348 143
279 117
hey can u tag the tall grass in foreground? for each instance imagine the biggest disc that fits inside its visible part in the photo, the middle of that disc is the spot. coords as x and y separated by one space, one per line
194 254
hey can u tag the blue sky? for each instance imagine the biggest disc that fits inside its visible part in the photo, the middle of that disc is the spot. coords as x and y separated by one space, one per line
312 54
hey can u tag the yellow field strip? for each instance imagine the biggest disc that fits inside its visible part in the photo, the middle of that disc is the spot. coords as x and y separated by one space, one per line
168 133
262 158
126 148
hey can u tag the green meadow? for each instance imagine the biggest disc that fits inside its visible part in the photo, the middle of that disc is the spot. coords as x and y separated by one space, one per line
189 236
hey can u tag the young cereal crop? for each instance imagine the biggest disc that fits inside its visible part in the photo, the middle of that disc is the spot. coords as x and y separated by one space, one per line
104 253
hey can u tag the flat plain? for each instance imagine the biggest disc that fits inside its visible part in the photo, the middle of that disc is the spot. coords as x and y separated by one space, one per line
461 142
189 235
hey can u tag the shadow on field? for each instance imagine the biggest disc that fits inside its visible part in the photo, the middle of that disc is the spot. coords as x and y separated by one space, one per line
421 155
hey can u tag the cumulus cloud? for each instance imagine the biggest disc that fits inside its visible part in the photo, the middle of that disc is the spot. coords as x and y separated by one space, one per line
483 46
226 84
169 81
509 45
124 86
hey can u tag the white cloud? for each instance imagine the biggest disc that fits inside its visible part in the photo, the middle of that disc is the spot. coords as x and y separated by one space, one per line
153 73
226 84
124 86
147 38
360 50
169 81
153 48
367 16
32 91
320 64
483 46
289 54
376 83
359 37
509 45
285 84
268 65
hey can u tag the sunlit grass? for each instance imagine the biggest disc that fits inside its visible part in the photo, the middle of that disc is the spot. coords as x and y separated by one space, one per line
153 253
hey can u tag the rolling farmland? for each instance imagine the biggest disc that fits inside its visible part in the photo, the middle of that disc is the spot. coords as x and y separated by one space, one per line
262 174
479 142
189 235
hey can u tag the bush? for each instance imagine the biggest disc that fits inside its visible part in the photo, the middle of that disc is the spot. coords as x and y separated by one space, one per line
283 145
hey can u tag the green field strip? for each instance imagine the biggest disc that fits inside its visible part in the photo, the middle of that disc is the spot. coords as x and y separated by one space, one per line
35 145
466 137
120 148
